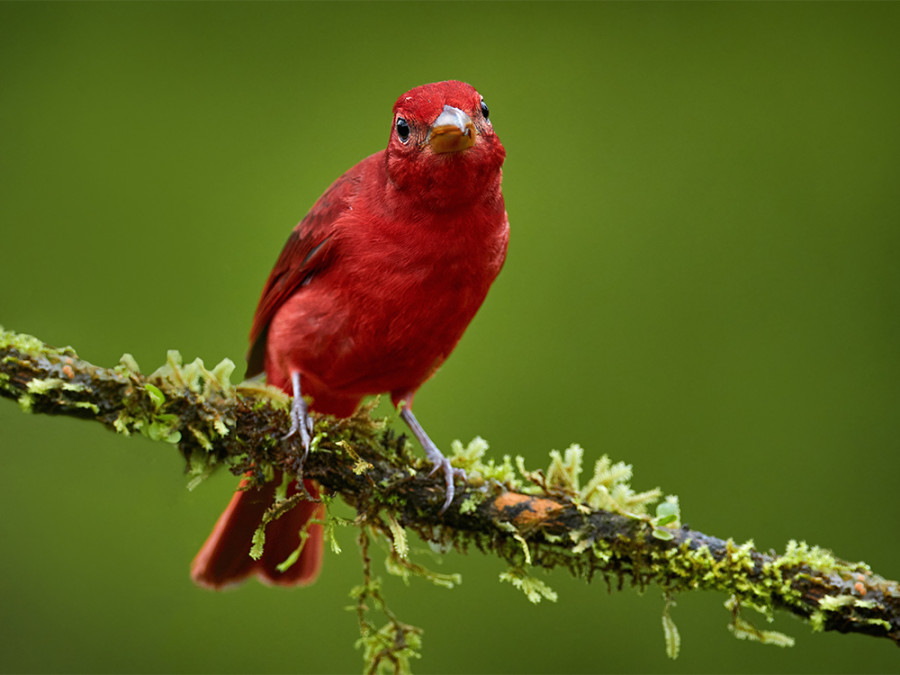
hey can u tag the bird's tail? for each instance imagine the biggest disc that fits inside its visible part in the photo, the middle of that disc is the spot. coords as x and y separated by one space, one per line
225 558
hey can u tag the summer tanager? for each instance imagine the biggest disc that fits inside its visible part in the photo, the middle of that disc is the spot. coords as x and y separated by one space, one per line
371 293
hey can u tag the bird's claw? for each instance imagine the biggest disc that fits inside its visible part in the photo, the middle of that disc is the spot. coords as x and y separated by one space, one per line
441 463
301 422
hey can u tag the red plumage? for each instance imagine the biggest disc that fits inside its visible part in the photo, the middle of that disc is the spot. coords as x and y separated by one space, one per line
372 292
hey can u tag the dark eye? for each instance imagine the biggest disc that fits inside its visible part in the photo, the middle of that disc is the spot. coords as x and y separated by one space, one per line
402 130
485 111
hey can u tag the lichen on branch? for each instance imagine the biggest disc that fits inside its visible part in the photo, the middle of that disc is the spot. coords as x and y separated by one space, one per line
592 526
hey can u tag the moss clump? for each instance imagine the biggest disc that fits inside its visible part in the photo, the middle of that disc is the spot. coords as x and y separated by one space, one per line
534 589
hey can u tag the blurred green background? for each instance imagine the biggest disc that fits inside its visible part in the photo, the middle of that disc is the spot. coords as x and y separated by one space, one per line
703 280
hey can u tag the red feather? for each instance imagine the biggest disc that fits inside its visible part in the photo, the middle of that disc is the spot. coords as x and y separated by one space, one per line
225 559
375 287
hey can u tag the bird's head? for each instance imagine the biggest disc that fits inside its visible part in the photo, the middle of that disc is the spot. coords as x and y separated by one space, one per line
443 146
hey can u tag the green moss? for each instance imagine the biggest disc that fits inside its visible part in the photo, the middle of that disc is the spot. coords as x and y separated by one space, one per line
201 438
87 405
471 460
294 556
534 589
602 552
26 402
331 524
670 630
471 502
390 648
200 467
564 471
38 387
406 569
511 529
829 605
668 513
163 427
21 342
156 396
608 489
123 423
42 386
194 376
802 554
744 630
398 538
128 365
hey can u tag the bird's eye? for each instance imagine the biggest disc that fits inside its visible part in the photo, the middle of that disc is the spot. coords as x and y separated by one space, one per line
485 111
402 130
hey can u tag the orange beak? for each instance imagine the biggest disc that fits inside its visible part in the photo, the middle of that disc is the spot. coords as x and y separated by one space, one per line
452 131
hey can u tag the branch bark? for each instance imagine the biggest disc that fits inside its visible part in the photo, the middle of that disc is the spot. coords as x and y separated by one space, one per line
529 521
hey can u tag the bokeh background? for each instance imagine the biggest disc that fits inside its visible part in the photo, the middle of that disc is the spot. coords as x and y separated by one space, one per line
703 280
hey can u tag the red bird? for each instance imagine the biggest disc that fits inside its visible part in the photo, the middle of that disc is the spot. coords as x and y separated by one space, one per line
371 293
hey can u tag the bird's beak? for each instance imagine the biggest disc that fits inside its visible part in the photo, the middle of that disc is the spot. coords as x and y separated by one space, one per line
452 131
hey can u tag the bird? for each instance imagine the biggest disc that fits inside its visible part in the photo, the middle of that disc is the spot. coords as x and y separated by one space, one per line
371 293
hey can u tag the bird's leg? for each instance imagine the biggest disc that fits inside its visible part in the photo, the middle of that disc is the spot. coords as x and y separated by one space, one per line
431 451
300 420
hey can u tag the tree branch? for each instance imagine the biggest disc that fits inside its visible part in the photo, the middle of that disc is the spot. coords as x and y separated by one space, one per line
533 519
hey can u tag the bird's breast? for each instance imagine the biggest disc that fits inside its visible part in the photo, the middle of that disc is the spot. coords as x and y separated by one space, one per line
393 304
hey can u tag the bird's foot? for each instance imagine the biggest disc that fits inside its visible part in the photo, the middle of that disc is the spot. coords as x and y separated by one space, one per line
301 423
437 458
441 463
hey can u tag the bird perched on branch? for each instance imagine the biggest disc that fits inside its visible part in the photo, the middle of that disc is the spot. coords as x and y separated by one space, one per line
373 290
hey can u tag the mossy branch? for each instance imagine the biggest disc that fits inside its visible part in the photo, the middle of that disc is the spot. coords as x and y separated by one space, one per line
539 519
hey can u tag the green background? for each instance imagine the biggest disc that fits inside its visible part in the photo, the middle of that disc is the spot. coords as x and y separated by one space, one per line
702 280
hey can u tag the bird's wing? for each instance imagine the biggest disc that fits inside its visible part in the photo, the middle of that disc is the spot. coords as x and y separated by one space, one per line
307 252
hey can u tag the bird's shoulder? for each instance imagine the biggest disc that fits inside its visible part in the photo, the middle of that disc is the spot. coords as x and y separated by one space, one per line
307 251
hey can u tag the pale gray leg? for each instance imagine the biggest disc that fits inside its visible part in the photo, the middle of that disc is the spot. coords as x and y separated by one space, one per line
300 420
436 456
